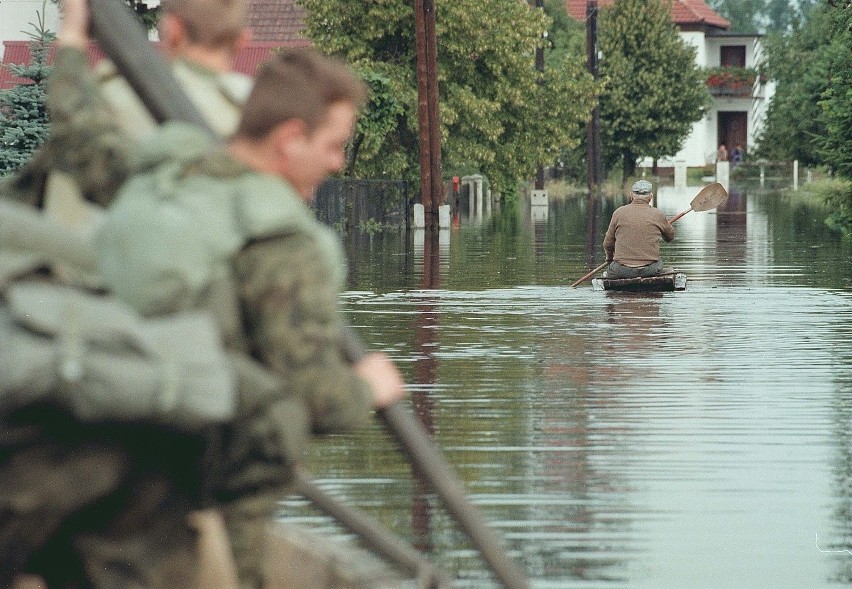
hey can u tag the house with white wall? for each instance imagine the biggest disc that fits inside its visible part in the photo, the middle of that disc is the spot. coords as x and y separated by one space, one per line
740 98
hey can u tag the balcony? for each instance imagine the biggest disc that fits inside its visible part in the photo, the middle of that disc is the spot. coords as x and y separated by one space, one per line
736 82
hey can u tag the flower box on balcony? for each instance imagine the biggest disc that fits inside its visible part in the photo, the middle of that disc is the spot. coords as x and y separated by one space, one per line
731 81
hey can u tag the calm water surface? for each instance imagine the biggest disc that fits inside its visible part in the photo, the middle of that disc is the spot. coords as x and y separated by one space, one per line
692 439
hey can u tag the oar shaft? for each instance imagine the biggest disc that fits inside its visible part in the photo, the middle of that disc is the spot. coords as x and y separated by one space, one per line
373 534
425 454
679 215
589 275
427 458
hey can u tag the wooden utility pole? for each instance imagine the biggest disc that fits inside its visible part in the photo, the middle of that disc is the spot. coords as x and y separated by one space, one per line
539 67
431 184
593 129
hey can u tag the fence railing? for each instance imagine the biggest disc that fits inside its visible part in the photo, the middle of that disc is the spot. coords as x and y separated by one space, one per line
363 204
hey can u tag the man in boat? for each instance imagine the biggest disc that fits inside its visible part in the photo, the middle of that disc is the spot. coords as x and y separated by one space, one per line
279 307
632 241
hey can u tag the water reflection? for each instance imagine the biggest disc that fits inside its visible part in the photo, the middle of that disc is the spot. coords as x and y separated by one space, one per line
731 237
621 440
426 367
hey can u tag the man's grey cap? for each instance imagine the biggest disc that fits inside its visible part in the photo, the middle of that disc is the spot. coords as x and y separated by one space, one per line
641 187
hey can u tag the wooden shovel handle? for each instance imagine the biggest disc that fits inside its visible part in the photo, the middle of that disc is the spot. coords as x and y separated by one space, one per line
589 275
679 215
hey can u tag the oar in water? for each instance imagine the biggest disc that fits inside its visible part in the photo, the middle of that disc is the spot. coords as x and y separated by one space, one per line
427 457
589 275
710 197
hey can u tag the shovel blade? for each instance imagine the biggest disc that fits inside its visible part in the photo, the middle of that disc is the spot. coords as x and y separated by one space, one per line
710 197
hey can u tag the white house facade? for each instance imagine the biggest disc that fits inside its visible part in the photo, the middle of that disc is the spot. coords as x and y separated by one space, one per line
737 114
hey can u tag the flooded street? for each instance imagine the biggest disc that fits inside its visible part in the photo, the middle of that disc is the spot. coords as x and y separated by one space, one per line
692 439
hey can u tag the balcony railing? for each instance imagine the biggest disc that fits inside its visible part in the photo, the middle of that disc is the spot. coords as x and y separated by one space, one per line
734 81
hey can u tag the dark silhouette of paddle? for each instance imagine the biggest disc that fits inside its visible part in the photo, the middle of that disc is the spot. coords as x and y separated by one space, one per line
710 197
124 41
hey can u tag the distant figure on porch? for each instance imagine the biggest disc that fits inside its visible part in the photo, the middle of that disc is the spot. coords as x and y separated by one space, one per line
737 156
632 241
722 153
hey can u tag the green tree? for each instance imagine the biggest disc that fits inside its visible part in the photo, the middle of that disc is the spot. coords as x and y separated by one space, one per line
498 115
794 123
835 148
770 16
23 113
654 89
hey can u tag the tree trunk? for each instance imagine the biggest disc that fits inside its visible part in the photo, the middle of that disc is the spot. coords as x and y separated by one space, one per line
353 155
628 166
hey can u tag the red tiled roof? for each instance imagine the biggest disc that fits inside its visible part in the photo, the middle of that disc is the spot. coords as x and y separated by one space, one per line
246 61
697 12
276 20
684 12
258 52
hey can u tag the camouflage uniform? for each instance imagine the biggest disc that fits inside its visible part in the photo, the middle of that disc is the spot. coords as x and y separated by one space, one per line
287 286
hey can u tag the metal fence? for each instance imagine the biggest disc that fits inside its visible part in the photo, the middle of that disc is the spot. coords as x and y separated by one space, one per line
363 204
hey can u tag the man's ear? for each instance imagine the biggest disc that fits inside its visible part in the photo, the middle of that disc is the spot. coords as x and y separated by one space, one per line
289 136
243 39
173 34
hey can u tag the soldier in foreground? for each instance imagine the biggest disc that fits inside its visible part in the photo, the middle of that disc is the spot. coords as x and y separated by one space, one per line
246 248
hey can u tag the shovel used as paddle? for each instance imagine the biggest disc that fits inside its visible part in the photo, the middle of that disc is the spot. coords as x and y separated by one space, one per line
710 197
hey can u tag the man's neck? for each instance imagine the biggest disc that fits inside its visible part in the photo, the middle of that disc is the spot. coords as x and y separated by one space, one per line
216 60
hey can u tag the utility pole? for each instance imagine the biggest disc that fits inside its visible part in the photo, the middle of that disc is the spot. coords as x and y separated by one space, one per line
429 123
539 67
593 129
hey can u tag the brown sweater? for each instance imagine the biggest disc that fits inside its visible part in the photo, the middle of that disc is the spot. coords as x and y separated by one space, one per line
633 236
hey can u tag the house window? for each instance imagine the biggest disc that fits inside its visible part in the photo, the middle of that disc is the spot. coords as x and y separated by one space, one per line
732 56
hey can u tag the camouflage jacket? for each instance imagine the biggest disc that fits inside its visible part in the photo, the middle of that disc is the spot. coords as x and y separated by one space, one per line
288 283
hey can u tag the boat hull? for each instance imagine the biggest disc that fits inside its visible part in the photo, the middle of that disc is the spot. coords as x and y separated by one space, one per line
671 281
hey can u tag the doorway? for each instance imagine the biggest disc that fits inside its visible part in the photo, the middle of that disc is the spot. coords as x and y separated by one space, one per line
733 129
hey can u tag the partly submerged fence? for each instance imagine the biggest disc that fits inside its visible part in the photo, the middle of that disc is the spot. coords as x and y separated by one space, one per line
365 205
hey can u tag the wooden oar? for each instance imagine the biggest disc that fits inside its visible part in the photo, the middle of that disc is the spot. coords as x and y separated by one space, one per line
427 457
710 197
589 275
373 534
137 61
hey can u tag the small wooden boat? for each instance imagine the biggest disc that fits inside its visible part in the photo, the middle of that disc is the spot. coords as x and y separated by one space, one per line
670 281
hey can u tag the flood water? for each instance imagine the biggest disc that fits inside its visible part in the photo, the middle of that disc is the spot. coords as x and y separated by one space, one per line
692 439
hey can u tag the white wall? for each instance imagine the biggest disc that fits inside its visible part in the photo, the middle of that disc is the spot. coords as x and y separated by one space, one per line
700 147
16 16
714 44
696 40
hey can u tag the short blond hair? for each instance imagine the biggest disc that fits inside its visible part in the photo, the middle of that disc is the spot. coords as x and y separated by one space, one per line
298 84
211 23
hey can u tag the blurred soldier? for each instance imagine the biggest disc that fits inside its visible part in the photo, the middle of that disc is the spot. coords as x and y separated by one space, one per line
240 242
632 241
